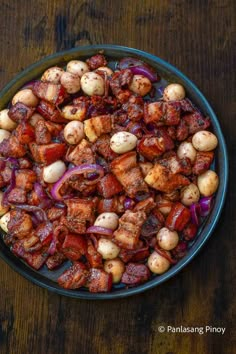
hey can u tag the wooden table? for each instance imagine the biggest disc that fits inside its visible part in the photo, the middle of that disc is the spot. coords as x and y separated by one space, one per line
197 37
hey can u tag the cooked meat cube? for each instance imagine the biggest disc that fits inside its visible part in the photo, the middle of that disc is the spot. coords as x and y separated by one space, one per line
119 83
178 217
99 281
153 112
53 93
44 232
24 162
75 112
93 256
96 61
177 165
55 213
55 260
17 196
25 133
135 274
145 205
162 179
80 212
53 128
42 134
82 153
96 126
20 223
134 108
154 146
25 179
102 147
51 112
203 161
182 130
11 147
47 154
129 174
20 112
74 277
74 246
115 205
196 122
130 223
108 186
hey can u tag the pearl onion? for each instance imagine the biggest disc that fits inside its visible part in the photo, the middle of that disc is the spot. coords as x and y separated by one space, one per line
140 85
3 209
158 264
208 183
105 69
4 221
167 239
6 122
186 149
107 248
74 132
174 92
52 75
108 220
70 82
116 267
26 97
92 84
52 173
204 141
189 194
4 134
77 67
122 142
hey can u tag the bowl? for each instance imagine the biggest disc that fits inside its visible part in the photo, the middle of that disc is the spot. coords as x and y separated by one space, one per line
47 279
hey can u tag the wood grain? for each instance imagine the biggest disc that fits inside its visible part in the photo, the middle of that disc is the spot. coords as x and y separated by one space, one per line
197 37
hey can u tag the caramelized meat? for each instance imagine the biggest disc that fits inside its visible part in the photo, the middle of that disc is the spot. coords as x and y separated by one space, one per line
20 223
75 277
47 154
99 281
203 161
96 126
20 112
96 61
25 179
11 147
108 186
81 154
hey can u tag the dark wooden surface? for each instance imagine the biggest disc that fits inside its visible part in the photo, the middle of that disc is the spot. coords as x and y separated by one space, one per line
197 37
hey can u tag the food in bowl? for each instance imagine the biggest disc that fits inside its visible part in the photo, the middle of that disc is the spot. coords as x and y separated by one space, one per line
106 171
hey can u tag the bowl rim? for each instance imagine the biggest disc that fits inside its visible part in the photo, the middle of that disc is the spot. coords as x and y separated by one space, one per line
36 277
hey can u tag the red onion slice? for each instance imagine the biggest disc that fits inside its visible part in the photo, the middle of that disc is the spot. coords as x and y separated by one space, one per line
195 211
99 230
85 168
145 71
205 205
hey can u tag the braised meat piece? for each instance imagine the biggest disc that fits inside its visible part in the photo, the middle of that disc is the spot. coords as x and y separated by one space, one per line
25 179
130 223
102 147
134 108
74 246
108 186
12 147
75 277
20 223
129 174
93 256
135 274
97 126
20 112
25 133
17 196
178 217
99 281
152 146
196 122
203 161
119 82
162 179
47 91
50 112
96 61
82 153
80 212
42 134
47 154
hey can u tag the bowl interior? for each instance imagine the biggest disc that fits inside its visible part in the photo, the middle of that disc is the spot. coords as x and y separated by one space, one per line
46 278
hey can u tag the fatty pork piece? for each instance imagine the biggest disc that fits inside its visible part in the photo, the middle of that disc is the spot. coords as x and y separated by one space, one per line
82 154
12 148
151 146
129 174
20 224
80 212
162 113
165 178
130 223
74 277
96 126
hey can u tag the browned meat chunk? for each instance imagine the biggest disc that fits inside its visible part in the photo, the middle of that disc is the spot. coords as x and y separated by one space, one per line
145 205
24 133
134 108
20 224
119 83
12 148
17 196
154 146
203 161
47 154
102 147
99 281
115 205
82 153
129 174
163 113
130 223
135 274
97 126
55 213
53 93
20 112
162 179
108 186
42 134
96 61
182 130
25 179
196 122
49 111
74 277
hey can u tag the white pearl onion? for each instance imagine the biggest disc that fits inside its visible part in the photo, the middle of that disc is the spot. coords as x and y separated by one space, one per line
167 239
107 248
122 142
52 173
108 220
158 264
174 92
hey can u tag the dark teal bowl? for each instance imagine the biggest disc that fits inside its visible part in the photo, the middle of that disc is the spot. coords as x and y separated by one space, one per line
47 279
